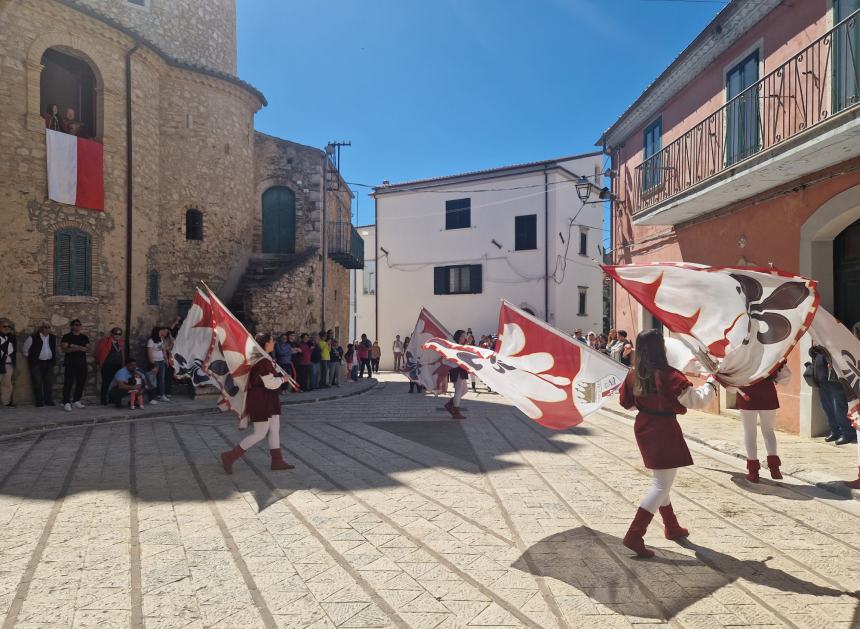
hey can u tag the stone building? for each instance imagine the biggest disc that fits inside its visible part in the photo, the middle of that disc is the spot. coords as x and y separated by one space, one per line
192 193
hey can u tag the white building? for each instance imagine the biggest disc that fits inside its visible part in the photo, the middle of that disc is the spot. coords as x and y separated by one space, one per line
364 288
459 244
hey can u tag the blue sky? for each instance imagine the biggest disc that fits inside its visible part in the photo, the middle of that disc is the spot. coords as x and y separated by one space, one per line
424 88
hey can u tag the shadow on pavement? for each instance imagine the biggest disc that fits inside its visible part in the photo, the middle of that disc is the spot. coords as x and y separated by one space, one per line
768 487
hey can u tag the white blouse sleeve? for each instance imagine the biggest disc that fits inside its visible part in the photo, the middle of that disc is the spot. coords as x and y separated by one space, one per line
697 397
271 381
783 375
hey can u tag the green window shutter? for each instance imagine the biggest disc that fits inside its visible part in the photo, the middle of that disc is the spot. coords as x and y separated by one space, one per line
62 261
154 288
440 283
475 281
80 264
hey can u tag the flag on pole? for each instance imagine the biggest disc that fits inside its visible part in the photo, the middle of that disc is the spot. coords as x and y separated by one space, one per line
425 366
193 344
75 170
844 350
739 322
553 379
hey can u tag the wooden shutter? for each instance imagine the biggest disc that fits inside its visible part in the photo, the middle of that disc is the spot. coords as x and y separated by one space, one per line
440 280
62 260
154 288
81 266
475 278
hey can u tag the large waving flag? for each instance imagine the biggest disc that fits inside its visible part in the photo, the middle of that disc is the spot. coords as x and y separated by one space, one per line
213 343
844 350
553 379
740 322
424 366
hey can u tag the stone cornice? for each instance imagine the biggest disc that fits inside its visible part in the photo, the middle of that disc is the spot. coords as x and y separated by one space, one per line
725 29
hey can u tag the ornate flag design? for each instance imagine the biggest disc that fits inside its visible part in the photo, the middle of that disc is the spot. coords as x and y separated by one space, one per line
553 379
844 350
739 322
424 366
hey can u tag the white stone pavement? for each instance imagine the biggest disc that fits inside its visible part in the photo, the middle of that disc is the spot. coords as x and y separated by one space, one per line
397 516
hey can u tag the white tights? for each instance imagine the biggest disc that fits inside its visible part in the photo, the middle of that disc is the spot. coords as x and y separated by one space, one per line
767 420
658 495
272 427
460 388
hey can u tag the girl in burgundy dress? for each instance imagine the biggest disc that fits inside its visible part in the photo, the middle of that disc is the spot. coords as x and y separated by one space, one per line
660 393
264 408
460 378
762 401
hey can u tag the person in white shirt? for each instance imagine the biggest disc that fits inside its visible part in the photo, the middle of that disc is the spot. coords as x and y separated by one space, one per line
41 351
397 350
7 362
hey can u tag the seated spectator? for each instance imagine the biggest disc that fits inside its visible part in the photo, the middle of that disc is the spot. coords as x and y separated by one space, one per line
126 381
52 118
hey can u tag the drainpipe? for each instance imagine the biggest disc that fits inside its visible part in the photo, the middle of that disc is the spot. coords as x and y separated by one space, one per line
546 244
376 258
129 196
323 235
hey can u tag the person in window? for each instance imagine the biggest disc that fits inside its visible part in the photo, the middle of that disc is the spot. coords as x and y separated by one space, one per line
71 124
762 402
263 406
41 351
460 378
660 393
75 346
52 118
110 356
157 365
7 362
127 380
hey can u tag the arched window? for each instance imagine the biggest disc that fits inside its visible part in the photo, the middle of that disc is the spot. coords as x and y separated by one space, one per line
193 224
69 83
72 262
152 288
279 220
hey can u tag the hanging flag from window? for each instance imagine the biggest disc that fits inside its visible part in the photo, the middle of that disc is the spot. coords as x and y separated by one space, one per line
424 366
549 376
740 323
75 170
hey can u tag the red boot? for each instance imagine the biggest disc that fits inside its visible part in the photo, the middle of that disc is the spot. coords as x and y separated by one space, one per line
773 464
854 484
230 457
671 528
752 470
456 414
635 538
449 406
278 462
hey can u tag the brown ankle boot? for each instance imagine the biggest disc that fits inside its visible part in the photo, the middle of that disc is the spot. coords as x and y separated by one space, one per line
449 406
671 528
752 470
773 464
230 457
278 462
635 538
854 484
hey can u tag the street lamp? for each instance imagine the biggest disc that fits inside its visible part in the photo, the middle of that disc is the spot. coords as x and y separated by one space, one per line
583 189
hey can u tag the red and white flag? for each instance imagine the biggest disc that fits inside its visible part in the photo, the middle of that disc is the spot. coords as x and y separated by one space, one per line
424 366
844 350
739 322
552 378
193 344
75 170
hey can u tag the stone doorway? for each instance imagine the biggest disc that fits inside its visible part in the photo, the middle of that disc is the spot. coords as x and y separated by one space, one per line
846 275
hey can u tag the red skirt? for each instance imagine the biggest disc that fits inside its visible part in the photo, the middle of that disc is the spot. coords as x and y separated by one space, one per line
661 442
262 403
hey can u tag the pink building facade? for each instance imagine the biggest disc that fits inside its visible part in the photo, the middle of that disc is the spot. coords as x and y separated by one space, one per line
746 151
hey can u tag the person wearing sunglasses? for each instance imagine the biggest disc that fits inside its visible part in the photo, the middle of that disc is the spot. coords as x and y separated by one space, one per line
110 356
40 348
7 362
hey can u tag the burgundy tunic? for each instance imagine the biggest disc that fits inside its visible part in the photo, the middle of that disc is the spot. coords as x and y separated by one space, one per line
762 397
261 402
657 431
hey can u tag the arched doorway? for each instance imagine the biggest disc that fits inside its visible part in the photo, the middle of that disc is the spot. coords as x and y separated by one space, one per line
846 275
279 220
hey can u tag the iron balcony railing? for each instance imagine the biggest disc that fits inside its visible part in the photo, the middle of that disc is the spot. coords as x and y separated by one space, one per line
345 246
815 84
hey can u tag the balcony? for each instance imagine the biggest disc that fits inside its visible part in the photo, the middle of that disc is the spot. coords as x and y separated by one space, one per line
345 246
800 118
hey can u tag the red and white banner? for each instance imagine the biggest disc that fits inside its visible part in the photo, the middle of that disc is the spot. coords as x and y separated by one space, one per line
553 379
214 348
739 322
424 366
844 350
75 170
